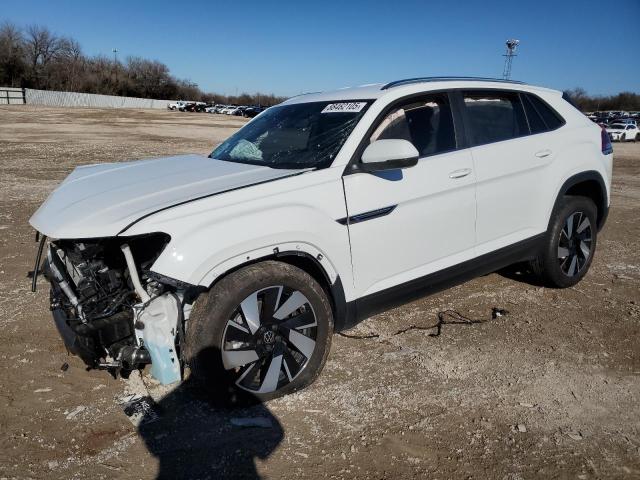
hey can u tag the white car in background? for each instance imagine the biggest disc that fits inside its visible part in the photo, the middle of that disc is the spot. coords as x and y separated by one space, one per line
318 213
235 111
179 105
623 132
214 108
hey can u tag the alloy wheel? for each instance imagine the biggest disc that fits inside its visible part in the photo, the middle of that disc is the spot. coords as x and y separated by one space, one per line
574 246
269 339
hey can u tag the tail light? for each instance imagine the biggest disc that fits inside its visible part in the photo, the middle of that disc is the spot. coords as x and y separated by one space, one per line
607 148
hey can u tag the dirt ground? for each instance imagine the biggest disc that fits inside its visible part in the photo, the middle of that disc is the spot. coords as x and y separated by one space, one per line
551 390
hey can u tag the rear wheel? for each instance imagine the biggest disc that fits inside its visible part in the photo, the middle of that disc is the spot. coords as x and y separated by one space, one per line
260 333
570 243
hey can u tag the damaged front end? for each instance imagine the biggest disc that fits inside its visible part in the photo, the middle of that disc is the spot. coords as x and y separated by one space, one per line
114 312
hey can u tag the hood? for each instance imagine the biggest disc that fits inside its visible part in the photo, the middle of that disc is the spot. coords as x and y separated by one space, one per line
101 200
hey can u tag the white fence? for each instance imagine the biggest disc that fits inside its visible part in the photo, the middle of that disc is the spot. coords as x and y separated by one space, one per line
73 99
19 96
11 96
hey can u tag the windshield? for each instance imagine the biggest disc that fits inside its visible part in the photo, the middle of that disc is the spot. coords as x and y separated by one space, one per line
303 135
617 125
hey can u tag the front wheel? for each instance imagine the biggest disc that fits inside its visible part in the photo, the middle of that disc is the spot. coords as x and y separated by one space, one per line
570 243
261 332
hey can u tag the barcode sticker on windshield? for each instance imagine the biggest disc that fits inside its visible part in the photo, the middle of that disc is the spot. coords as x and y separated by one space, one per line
347 107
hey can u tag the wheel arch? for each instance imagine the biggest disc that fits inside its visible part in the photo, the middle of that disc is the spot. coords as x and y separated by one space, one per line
589 184
329 279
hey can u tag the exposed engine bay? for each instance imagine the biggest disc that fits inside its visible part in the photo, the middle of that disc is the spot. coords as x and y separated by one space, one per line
112 310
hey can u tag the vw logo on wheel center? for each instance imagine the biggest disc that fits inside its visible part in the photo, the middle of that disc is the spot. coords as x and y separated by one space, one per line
269 337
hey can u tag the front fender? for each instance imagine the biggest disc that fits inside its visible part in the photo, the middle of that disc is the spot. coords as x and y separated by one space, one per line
201 255
214 235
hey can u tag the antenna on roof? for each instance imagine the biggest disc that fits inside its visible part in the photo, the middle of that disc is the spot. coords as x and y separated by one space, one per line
512 45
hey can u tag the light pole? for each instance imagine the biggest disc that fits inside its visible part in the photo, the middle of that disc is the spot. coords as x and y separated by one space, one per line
512 45
115 62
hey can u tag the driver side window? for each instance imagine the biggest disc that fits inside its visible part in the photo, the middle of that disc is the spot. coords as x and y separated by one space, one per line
427 123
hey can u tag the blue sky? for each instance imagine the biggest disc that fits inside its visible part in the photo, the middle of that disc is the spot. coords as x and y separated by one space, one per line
287 47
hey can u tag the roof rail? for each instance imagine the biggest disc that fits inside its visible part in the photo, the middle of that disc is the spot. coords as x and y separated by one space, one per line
408 81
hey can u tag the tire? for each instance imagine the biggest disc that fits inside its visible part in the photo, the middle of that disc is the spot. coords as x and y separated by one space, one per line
245 344
570 243
637 137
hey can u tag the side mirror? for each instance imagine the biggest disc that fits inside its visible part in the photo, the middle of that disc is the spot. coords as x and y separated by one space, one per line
388 155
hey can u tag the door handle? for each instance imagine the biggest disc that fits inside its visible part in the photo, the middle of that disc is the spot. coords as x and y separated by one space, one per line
543 153
463 172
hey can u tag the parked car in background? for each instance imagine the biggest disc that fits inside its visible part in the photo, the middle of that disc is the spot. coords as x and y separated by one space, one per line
620 113
187 107
627 121
238 111
235 110
194 107
179 105
623 132
251 112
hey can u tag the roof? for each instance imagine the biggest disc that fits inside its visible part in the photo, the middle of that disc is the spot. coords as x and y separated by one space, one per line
400 87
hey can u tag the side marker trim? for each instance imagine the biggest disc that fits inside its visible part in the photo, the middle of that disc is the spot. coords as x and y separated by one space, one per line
370 215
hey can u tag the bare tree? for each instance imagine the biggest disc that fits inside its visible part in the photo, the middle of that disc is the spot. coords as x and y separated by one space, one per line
12 65
67 66
42 47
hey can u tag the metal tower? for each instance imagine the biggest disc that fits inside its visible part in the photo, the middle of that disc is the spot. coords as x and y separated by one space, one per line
508 57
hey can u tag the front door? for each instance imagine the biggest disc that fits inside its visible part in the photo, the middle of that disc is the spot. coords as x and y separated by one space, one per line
405 224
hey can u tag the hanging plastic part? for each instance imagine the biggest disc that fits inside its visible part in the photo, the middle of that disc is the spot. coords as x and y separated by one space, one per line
159 321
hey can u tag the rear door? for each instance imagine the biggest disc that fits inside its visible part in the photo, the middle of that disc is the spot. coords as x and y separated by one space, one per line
404 224
511 154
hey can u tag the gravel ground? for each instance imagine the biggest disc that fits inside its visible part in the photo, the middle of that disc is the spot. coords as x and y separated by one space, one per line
551 390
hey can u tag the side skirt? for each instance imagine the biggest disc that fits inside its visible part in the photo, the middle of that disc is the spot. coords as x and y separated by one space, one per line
362 308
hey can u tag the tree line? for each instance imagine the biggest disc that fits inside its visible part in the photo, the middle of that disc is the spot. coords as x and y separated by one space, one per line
35 57
627 101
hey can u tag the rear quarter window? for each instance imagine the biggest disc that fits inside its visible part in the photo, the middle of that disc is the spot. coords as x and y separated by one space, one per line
536 123
551 118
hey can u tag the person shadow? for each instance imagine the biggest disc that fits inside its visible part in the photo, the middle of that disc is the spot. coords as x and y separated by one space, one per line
196 434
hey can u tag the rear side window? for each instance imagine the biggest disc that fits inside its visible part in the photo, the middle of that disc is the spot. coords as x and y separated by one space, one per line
536 123
495 116
427 123
550 117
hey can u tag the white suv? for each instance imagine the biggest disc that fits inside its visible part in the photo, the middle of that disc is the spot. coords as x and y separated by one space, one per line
318 213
